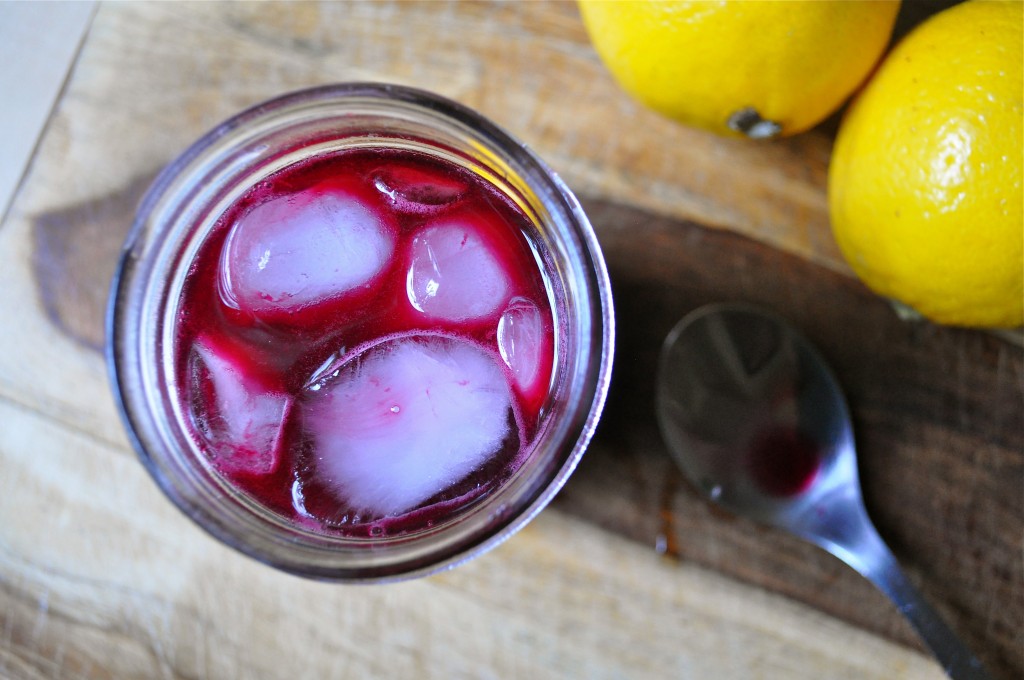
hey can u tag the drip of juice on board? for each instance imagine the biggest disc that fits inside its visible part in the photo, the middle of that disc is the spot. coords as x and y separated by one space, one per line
365 342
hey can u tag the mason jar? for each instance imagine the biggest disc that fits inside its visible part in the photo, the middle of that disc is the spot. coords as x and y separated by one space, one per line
184 206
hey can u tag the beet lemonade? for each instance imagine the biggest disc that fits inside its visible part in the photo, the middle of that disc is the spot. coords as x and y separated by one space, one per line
360 333
365 342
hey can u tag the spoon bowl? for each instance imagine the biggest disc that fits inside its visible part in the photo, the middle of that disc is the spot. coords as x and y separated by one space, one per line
757 421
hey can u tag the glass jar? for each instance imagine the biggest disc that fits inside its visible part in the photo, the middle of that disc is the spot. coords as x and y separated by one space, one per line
182 207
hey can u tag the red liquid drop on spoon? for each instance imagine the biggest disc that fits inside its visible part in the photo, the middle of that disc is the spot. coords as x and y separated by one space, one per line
784 462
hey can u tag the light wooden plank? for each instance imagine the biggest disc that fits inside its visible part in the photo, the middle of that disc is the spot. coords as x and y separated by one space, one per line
38 42
154 76
103 578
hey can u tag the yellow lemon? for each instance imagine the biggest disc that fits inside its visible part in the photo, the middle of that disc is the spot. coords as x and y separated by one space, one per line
755 68
925 187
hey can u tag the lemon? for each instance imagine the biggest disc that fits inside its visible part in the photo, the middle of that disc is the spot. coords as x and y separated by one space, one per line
755 68
925 187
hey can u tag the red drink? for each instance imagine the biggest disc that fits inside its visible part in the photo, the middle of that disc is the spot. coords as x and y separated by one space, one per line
360 333
365 342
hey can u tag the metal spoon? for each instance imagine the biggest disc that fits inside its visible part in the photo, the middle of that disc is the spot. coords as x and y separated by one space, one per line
756 420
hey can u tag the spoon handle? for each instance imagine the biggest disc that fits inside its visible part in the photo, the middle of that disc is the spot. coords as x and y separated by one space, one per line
884 571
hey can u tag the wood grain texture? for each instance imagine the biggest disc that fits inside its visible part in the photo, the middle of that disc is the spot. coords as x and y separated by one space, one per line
119 584
176 70
101 577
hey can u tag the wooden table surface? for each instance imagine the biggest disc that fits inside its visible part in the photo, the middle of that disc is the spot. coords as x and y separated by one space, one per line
629 574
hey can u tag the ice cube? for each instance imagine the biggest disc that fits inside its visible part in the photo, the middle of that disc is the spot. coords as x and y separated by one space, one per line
454 273
412 190
303 248
240 419
405 420
521 341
